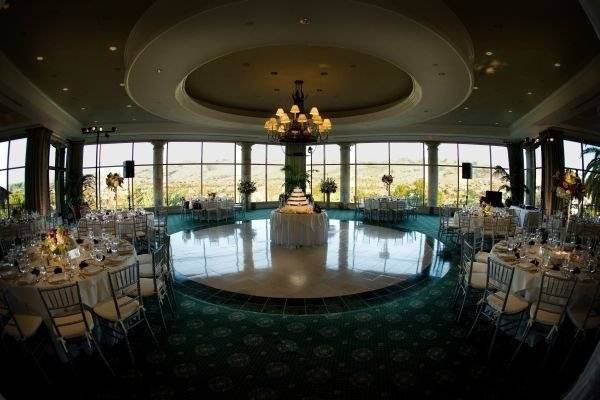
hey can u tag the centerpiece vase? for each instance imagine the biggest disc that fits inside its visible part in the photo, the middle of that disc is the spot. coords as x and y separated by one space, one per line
328 196
247 201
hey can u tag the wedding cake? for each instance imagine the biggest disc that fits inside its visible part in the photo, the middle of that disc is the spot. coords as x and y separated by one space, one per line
297 203
297 198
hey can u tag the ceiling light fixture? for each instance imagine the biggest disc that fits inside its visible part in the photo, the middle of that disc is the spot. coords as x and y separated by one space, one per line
40 58
128 106
83 108
557 65
305 21
466 108
510 111
475 87
65 89
122 84
158 70
301 127
112 48
489 53
529 93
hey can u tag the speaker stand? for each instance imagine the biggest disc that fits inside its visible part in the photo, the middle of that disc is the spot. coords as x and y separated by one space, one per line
467 197
129 192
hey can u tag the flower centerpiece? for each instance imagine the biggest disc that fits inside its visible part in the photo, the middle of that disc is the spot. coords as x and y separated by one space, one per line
58 241
486 209
387 180
568 187
246 187
212 195
114 182
328 186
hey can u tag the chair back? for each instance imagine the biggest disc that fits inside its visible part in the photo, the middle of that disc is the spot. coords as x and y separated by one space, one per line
141 224
499 280
555 294
464 222
594 308
64 301
532 221
125 283
6 315
160 266
466 258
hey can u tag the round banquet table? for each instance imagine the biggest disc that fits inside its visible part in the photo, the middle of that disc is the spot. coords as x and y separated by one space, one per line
22 291
527 278
294 230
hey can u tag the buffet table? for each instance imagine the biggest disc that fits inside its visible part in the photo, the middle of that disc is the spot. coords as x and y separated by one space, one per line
294 230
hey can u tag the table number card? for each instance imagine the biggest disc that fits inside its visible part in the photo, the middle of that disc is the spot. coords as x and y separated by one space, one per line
73 253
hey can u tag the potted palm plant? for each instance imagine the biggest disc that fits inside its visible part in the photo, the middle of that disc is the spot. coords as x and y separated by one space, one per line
328 186
294 177
504 176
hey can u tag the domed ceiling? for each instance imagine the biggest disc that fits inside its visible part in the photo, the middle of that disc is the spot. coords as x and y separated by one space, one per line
340 82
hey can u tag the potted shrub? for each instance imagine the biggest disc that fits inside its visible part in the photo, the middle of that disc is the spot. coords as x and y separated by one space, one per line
246 187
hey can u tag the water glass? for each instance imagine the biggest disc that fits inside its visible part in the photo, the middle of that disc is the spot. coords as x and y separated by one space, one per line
510 243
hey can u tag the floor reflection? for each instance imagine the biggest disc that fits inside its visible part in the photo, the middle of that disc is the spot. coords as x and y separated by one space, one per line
358 258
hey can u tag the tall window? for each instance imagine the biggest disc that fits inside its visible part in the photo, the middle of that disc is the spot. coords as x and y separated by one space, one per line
267 162
575 159
12 172
325 162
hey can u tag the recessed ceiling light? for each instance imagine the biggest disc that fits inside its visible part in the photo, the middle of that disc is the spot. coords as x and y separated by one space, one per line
158 70
122 84
95 121
529 93
497 123
475 87
112 48
460 121
65 89
557 65
509 111
83 108
40 58
466 108
128 106
305 21
489 53
133 119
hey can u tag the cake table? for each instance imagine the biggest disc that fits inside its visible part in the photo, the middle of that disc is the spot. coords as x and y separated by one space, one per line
296 224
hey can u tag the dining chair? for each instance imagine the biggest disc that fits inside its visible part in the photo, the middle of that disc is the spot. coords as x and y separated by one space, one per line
446 229
472 276
157 285
498 301
141 231
211 208
584 320
549 310
22 328
70 321
125 309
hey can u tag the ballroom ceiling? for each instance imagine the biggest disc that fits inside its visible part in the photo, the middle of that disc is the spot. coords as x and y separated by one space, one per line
255 81
66 49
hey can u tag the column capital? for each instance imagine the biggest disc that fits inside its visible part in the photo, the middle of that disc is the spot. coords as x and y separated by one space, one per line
345 145
246 145
432 145
158 143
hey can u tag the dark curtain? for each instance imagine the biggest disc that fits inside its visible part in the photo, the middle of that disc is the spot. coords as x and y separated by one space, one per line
36 170
553 160
516 167
74 169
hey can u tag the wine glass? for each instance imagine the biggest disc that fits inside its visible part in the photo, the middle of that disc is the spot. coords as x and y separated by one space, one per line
98 256
510 243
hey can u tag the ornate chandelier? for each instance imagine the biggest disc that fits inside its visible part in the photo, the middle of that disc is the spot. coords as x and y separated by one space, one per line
300 128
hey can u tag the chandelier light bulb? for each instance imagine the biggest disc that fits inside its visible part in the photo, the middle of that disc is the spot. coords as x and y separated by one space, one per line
314 111
280 112
295 109
302 118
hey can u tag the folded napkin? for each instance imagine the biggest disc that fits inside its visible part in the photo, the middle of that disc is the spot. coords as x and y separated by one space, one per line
58 278
506 257
27 279
92 270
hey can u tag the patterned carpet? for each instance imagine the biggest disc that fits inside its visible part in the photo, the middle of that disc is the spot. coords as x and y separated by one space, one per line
408 348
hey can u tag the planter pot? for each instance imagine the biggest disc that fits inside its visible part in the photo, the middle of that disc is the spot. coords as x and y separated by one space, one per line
328 197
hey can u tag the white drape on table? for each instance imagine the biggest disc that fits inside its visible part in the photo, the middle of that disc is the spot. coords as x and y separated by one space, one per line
299 229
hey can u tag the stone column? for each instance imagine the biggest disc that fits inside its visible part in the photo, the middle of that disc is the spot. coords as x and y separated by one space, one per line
530 176
157 180
246 161
432 173
344 175
36 170
295 157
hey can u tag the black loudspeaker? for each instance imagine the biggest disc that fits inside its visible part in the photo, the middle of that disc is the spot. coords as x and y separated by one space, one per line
467 170
128 169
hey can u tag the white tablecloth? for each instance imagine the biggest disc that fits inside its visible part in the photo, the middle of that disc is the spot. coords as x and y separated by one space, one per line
299 229
522 213
527 282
